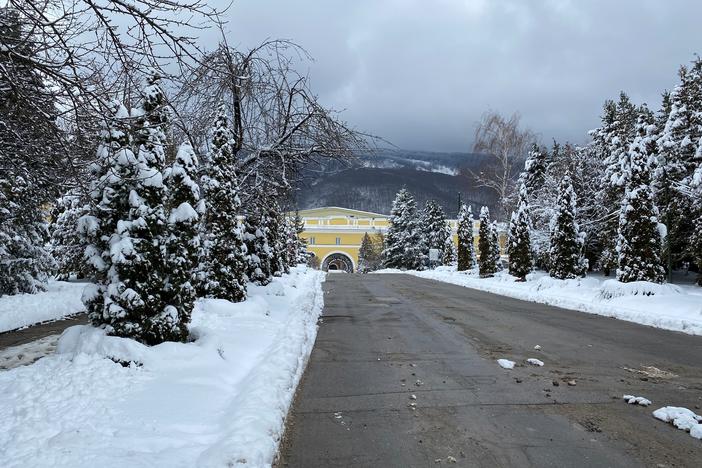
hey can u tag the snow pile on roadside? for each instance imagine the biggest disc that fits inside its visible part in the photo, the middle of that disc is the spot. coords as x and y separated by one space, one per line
506 363
636 400
682 418
670 307
60 299
535 362
25 354
218 401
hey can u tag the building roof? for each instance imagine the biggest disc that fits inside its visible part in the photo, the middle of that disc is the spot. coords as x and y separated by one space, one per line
331 211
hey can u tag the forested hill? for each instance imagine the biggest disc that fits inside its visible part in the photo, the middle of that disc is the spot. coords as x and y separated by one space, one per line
371 182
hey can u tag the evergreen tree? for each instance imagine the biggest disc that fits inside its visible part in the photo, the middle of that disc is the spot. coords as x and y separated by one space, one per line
487 263
519 245
466 251
495 243
614 137
679 144
67 246
433 224
535 167
226 260
275 238
448 254
566 242
365 254
404 243
31 150
299 227
259 252
639 242
183 244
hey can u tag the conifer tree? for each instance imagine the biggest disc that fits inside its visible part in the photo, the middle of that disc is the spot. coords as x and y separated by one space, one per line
226 252
448 254
433 224
535 168
519 243
486 250
495 243
404 242
566 242
67 246
183 246
639 242
275 238
259 253
299 227
136 294
365 254
465 249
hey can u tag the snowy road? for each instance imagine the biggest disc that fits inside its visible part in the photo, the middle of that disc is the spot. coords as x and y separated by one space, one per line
404 374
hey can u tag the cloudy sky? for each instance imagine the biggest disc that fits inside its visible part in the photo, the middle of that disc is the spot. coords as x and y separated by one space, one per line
421 72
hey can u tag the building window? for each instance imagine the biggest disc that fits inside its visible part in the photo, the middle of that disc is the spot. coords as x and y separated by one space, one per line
312 241
338 241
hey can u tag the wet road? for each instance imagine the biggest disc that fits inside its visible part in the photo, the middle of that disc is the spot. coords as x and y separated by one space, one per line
385 339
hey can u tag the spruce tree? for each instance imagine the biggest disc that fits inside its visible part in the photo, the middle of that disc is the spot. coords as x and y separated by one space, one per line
404 242
639 242
183 246
67 246
465 249
448 253
495 243
519 243
299 227
535 168
259 253
276 241
226 261
486 250
433 224
566 242
136 293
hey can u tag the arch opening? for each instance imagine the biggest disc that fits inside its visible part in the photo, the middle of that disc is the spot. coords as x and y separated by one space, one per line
338 262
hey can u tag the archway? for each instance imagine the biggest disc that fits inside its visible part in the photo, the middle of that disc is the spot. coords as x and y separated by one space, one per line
337 262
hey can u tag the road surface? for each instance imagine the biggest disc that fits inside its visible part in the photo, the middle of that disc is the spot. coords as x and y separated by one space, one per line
384 338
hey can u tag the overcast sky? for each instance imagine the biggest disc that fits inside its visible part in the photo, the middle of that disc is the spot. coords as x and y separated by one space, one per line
421 72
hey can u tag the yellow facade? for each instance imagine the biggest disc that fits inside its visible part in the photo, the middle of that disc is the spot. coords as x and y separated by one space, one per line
334 234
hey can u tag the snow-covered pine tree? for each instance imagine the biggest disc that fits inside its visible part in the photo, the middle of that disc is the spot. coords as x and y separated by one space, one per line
495 243
112 177
614 138
535 168
448 254
679 148
519 244
465 249
259 253
486 250
404 242
566 241
226 261
183 245
433 225
67 246
137 291
299 227
639 241
276 240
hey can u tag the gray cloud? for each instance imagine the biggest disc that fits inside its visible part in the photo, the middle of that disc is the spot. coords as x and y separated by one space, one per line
421 73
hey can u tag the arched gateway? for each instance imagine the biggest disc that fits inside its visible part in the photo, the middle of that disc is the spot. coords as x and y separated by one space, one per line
337 262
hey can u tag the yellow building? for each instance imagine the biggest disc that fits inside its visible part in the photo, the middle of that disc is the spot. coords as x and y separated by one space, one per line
334 234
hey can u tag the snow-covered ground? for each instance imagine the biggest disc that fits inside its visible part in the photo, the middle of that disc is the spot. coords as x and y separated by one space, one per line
216 402
672 307
60 299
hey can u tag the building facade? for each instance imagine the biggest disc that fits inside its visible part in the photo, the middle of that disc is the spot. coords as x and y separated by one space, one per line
334 234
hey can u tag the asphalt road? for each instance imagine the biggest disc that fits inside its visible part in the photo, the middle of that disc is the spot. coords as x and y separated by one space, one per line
384 338
42 330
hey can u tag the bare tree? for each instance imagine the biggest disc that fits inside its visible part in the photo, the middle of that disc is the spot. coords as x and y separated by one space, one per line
507 146
278 122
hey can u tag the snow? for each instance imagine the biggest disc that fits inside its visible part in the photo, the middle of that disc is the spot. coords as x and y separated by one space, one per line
636 400
670 307
60 299
506 363
535 362
218 401
682 418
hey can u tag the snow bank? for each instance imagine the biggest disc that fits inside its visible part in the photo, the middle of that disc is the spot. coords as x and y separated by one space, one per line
59 300
218 401
506 363
636 400
666 306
